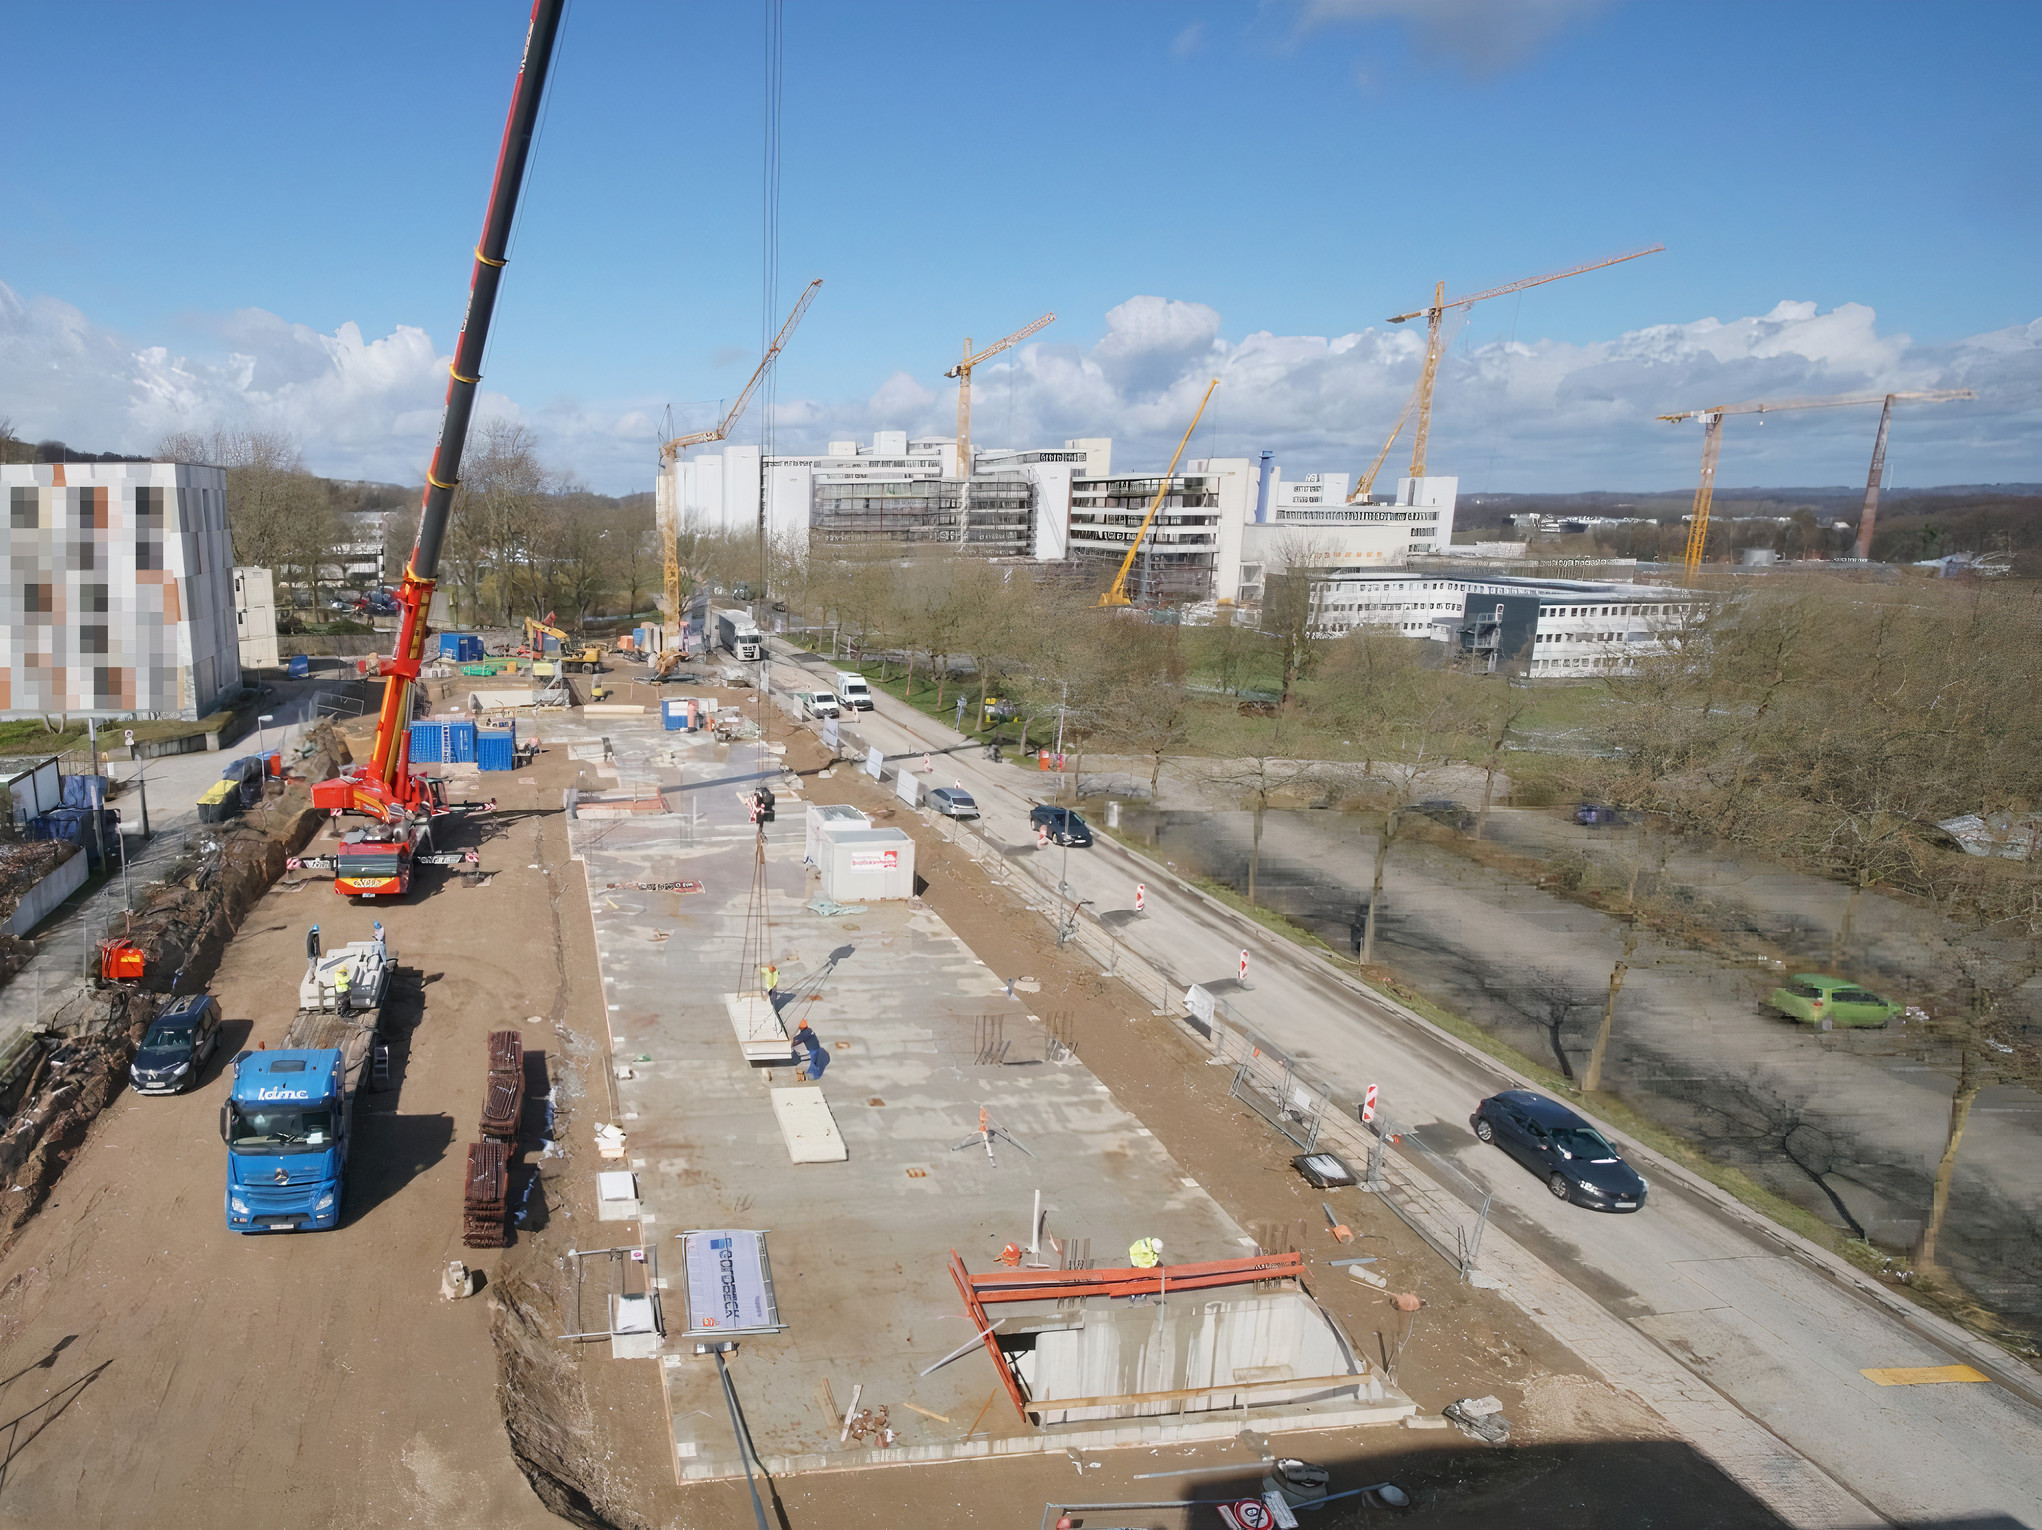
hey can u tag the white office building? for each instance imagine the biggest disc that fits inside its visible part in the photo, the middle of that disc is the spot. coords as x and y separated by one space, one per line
119 599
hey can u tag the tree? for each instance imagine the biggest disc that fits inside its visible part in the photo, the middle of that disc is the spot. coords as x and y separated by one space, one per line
1288 618
1153 713
1260 769
1754 1115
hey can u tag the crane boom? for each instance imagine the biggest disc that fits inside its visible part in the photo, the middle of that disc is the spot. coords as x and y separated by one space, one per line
1434 316
1712 447
670 449
385 788
962 372
1116 594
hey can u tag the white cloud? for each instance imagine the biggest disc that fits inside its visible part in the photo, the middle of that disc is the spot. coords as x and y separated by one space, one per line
1188 41
1524 414
1484 37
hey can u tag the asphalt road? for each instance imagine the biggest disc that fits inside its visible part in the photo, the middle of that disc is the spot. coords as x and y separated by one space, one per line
1733 1302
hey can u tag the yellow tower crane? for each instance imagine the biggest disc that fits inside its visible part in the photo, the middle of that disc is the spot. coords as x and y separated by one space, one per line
1712 448
962 372
1116 594
671 448
1420 401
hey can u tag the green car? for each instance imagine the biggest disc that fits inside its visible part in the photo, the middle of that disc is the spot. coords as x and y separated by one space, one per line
1826 1001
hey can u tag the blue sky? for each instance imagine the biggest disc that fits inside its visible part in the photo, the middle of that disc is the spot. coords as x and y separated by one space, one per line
197 201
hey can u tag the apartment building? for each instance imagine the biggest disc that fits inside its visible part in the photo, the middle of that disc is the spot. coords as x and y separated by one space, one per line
119 599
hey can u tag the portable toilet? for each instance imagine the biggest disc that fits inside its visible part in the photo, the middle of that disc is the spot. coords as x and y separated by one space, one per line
674 714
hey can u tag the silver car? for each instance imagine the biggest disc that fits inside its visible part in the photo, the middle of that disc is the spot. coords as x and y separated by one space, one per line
953 802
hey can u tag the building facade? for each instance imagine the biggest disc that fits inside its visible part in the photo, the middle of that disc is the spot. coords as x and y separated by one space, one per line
120 597
1539 628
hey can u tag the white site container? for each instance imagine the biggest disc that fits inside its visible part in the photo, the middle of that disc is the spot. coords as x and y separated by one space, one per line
866 865
825 818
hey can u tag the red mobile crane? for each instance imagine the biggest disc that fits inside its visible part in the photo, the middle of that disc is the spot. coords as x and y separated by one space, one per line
385 789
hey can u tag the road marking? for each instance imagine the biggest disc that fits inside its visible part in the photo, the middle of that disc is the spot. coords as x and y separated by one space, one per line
1921 1375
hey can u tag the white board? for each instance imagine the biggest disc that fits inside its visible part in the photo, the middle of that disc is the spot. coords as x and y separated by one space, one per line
908 787
807 1125
875 762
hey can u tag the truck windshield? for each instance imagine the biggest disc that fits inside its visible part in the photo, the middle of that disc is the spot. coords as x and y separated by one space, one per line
373 864
281 1128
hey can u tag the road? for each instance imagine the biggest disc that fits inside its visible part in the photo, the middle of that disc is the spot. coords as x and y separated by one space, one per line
1740 1305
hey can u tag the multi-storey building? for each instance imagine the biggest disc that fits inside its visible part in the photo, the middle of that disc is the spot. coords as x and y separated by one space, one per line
119 599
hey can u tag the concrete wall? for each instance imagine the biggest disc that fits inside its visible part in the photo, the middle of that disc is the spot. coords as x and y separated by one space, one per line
41 900
119 598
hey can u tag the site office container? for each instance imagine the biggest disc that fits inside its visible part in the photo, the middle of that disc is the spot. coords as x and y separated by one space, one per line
497 748
443 742
823 817
866 865
461 647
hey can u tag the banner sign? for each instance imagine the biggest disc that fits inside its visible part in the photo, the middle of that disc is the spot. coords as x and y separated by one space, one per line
730 1283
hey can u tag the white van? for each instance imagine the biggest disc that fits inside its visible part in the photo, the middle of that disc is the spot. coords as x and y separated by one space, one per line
853 690
817 704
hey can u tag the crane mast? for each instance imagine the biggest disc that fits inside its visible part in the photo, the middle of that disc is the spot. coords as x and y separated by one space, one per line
385 787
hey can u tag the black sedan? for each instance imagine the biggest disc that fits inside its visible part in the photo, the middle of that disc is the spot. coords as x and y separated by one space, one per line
177 1046
1065 826
1574 1159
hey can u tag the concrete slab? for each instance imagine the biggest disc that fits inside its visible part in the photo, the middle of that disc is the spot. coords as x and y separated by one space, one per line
807 1125
860 1246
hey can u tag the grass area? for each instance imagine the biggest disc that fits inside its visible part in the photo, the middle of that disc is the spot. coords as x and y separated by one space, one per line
27 736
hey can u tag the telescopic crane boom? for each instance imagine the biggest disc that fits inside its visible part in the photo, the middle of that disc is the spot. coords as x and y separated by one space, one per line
670 532
385 788
1435 316
1712 448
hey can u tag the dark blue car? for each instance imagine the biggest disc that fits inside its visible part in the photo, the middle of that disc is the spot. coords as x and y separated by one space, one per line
1574 1159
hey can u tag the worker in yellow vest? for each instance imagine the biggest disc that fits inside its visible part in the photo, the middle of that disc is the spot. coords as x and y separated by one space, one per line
341 984
1145 1253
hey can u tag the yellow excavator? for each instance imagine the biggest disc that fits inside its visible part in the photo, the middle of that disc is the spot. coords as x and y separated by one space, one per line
586 659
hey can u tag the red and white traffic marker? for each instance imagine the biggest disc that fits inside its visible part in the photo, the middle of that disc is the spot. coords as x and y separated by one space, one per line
927 765
1140 892
1041 837
1244 966
1368 1104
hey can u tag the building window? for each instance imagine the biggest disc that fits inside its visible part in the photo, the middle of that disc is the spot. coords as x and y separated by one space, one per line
85 557
148 555
24 508
92 639
91 509
94 596
37 598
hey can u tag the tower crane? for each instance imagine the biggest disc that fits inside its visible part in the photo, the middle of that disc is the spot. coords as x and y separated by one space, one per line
962 372
1116 593
671 448
384 788
1712 447
1421 395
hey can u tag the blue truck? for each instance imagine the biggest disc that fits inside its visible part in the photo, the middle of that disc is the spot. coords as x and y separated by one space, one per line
288 1120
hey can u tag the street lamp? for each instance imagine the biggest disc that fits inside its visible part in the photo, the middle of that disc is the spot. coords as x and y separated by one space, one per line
262 730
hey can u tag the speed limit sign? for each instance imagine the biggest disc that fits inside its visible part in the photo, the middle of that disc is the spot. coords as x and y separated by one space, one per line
1250 1514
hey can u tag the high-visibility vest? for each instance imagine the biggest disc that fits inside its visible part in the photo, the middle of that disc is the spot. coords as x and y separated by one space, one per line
341 981
1145 1253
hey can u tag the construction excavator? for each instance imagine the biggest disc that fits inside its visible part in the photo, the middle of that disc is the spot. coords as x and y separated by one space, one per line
401 803
586 658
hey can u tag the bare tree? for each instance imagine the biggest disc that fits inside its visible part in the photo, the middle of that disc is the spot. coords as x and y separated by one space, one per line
1550 1000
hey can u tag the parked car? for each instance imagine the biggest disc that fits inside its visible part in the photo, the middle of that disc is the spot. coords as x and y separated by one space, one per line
953 802
1065 826
1574 1159
177 1045
1595 815
1817 1000
1454 815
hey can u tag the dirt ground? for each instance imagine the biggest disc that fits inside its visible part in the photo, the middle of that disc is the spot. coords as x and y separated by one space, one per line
159 1369
156 1369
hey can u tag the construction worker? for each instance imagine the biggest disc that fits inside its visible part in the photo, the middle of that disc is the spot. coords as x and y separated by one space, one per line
1145 1253
382 949
343 981
769 978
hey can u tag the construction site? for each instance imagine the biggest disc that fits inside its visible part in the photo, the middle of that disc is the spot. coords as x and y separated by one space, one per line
715 1093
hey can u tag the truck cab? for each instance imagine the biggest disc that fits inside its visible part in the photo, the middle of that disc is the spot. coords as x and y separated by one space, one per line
286 1127
853 690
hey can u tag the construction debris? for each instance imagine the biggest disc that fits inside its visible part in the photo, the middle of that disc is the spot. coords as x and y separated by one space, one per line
1479 1418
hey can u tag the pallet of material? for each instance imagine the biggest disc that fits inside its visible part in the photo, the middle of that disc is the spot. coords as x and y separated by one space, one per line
485 1203
503 1101
506 1052
484 1232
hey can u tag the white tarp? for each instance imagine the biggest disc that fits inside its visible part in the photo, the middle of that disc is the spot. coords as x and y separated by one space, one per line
730 1282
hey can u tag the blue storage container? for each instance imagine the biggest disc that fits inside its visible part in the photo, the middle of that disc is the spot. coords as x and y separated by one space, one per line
428 743
673 713
497 748
460 746
461 647
300 667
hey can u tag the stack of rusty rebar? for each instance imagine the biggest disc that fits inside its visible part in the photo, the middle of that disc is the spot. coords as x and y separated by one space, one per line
486 1204
503 1102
